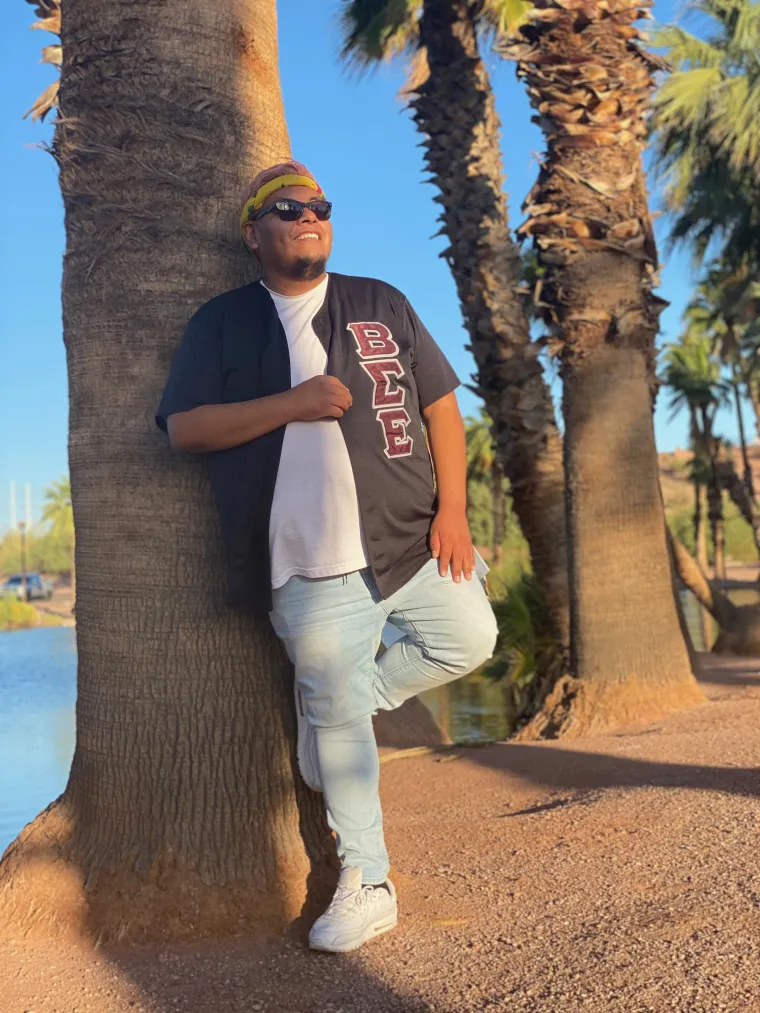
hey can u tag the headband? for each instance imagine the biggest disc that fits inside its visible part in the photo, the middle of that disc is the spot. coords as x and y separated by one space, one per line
255 202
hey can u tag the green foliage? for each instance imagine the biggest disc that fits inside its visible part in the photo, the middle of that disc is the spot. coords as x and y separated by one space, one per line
48 549
57 510
692 374
526 653
740 543
377 30
17 615
706 127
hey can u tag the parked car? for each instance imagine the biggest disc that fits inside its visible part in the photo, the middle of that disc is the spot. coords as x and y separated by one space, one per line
37 587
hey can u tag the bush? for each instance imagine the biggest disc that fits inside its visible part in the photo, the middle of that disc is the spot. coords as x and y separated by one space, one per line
527 654
17 615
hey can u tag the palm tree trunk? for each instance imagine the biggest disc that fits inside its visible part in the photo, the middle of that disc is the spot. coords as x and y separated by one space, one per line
714 497
182 817
737 490
739 625
747 476
497 507
454 110
588 213
700 532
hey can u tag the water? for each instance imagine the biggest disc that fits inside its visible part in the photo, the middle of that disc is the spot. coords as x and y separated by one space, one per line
37 695
38 691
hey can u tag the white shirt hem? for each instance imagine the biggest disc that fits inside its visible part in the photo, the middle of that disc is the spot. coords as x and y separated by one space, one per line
335 570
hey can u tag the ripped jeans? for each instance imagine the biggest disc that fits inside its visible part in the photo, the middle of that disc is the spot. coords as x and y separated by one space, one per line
331 628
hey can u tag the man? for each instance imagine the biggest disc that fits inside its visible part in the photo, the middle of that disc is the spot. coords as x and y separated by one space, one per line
313 396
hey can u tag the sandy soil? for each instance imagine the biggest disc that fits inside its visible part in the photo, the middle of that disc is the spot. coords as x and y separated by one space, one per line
616 874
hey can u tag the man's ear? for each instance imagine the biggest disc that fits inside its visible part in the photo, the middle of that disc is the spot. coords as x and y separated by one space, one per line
249 234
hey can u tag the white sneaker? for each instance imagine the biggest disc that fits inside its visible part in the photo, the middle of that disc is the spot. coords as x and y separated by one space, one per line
306 749
356 914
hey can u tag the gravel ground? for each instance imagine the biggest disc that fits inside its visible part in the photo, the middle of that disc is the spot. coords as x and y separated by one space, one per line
616 874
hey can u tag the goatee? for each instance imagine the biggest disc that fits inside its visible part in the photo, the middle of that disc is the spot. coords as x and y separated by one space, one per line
307 268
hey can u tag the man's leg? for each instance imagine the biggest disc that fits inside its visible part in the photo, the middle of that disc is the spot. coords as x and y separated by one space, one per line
331 629
449 630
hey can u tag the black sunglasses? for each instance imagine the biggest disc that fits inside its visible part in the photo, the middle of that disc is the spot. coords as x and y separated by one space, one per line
290 210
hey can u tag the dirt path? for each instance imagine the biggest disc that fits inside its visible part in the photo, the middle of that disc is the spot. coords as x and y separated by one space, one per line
617 874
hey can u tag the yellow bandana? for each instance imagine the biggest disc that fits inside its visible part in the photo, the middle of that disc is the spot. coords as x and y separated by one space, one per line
255 202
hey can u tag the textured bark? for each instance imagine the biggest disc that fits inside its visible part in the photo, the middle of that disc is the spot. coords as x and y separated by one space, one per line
181 817
454 109
588 216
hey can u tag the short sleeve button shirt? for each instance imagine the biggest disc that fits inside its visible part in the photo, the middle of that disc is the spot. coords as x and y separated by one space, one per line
235 349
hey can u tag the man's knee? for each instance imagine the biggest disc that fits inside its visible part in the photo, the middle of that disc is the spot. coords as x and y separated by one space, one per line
472 644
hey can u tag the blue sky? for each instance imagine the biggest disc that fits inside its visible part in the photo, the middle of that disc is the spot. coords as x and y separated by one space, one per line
358 140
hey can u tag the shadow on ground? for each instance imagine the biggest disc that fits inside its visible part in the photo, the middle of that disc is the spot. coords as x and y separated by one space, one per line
570 769
236 977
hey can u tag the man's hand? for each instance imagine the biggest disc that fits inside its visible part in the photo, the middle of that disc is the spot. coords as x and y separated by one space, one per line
451 544
321 397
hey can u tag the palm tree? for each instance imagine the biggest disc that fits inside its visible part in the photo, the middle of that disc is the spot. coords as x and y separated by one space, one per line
453 106
723 309
181 816
590 82
484 466
706 128
693 377
58 513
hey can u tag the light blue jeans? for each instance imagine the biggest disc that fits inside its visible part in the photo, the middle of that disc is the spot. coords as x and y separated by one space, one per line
331 628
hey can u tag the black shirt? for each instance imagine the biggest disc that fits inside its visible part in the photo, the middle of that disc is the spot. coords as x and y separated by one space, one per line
235 349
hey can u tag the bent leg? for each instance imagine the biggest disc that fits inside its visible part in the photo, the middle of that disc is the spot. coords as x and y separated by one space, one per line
331 630
449 631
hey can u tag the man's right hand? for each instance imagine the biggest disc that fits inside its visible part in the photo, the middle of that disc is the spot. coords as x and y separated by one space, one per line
321 397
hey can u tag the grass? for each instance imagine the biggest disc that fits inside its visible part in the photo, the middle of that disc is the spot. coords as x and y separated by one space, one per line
20 615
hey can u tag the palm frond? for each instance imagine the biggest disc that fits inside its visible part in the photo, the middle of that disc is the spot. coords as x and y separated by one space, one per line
49 14
377 30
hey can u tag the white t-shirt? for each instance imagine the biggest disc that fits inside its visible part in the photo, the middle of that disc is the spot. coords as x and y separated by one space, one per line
315 529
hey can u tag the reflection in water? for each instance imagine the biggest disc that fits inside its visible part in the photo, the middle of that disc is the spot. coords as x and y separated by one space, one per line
38 691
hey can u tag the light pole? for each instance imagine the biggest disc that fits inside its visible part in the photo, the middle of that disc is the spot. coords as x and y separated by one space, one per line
22 533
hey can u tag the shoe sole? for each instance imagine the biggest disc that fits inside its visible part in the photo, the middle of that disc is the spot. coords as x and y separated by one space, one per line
372 933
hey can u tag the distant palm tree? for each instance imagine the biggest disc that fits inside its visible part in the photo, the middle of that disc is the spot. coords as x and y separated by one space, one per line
57 511
483 465
706 127
693 376
722 310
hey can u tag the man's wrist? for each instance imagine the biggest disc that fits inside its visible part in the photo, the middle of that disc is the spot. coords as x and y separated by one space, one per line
452 506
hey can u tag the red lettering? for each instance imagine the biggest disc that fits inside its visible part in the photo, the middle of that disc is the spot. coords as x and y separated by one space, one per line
373 340
386 391
394 422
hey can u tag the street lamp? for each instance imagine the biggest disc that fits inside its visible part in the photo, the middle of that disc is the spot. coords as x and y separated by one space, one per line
22 533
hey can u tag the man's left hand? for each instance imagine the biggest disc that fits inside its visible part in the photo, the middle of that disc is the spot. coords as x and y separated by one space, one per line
451 544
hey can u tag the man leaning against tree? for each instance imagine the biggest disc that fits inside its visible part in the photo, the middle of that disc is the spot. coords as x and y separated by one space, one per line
311 394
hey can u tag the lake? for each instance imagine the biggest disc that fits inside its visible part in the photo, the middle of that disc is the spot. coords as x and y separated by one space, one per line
38 692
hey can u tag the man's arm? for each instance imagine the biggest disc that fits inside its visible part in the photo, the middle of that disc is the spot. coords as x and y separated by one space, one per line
450 540
221 426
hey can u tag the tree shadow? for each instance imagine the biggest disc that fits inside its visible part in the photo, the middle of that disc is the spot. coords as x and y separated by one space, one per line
570 769
237 976
729 671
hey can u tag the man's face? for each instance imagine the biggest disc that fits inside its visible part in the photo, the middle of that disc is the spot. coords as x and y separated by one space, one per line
297 250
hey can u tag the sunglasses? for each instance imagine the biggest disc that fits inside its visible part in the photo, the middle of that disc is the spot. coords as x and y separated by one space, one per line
290 210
